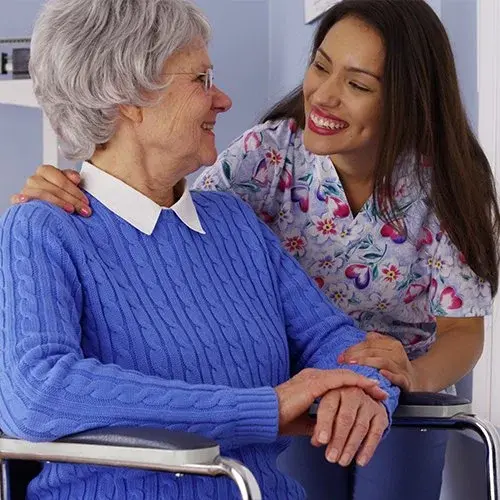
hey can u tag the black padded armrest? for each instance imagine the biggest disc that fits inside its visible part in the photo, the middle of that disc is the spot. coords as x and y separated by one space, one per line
418 405
423 405
430 399
141 437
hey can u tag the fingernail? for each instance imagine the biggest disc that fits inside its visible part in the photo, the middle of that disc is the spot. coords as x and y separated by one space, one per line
344 461
333 456
353 362
84 211
341 359
361 461
323 437
21 198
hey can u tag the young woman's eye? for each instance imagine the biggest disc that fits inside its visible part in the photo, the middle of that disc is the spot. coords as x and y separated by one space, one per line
358 87
319 66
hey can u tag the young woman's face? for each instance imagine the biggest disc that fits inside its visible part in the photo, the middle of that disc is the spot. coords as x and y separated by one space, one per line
343 91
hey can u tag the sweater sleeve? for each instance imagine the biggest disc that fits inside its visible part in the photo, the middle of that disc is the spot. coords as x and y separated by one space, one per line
48 389
317 331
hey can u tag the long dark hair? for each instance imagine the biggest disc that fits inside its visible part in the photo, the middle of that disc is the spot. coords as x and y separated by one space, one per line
425 117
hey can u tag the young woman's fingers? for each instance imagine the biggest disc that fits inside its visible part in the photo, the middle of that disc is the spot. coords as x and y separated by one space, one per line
44 190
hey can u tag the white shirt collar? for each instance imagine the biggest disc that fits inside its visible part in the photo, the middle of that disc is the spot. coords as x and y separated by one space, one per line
134 207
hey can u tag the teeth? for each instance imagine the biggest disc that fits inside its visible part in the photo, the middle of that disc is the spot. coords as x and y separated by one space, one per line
207 126
325 123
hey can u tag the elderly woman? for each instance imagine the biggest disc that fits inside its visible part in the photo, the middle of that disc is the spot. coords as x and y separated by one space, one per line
164 309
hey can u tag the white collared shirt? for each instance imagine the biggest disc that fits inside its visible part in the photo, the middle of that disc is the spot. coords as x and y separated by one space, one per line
134 207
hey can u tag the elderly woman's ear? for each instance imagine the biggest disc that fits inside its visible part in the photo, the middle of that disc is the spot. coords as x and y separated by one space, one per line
132 113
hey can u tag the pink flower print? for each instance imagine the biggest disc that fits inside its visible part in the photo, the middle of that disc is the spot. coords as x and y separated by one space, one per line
292 125
462 259
413 292
274 157
295 244
252 141
339 294
324 228
449 299
391 273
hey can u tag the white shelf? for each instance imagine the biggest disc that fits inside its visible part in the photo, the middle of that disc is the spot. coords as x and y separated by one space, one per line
17 93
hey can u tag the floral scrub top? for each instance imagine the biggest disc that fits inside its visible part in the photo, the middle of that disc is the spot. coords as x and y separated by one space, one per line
388 282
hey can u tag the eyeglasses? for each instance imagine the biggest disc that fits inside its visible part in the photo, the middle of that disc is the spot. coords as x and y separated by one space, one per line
208 77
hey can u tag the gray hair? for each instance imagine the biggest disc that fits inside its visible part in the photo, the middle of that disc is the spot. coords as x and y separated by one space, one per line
90 56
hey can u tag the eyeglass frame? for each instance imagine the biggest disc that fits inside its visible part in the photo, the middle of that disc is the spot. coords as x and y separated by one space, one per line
209 77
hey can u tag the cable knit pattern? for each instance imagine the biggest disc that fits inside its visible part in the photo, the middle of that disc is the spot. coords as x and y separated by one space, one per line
102 325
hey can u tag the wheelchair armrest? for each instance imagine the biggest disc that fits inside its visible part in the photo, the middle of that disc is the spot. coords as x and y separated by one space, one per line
431 405
137 447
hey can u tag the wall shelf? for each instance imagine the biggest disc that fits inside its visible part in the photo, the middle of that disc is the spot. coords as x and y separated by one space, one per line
17 93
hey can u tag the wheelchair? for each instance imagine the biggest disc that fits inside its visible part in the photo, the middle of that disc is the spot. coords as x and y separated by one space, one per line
186 453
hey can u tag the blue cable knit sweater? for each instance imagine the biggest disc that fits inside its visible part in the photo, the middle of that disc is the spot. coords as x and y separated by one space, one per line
102 325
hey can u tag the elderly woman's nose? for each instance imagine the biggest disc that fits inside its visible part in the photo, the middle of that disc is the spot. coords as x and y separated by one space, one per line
222 102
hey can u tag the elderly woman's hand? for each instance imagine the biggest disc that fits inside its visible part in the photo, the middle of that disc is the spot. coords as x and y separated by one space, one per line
55 186
350 422
296 395
386 354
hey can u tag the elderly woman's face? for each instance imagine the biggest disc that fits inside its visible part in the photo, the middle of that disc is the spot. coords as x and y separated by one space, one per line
181 125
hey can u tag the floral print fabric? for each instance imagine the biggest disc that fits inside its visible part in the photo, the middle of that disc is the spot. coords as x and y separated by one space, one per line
386 281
